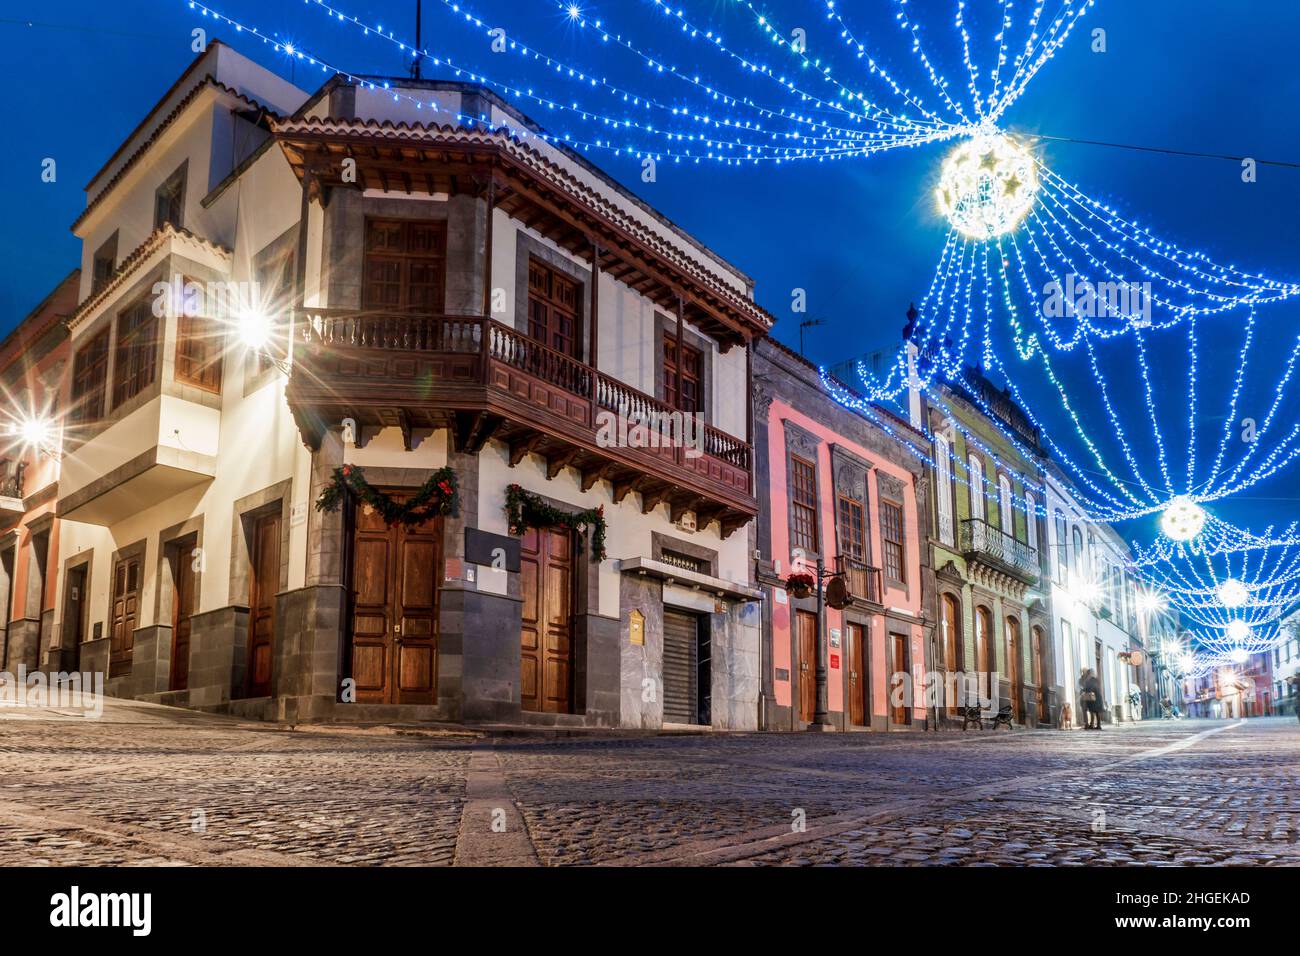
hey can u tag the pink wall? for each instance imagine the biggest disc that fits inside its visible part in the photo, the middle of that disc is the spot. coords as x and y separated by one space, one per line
909 599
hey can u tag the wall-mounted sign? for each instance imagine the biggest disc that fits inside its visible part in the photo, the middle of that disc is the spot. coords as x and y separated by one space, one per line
491 550
835 637
635 627
835 661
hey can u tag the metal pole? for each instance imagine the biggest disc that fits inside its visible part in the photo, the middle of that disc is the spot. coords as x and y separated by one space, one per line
820 716
415 68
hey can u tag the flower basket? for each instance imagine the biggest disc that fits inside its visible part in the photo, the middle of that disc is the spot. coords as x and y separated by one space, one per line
800 584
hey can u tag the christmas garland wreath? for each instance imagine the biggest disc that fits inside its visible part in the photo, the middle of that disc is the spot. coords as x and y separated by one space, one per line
437 496
526 510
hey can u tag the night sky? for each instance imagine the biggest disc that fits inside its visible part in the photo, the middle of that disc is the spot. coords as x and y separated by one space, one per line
861 236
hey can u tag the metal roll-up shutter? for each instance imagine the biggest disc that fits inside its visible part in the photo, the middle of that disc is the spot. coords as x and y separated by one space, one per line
681 639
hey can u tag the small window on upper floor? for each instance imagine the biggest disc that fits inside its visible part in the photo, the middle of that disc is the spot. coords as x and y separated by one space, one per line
104 264
169 200
683 378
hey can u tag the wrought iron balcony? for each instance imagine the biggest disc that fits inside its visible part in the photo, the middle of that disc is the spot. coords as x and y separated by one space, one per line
980 541
487 380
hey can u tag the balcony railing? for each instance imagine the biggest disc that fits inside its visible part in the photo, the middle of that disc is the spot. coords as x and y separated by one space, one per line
980 539
11 480
516 368
862 579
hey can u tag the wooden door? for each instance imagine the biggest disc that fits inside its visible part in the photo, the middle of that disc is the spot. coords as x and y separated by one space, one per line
74 612
681 662
1040 691
394 593
264 582
806 623
900 712
1014 665
952 639
546 634
854 635
984 643
124 614
183 604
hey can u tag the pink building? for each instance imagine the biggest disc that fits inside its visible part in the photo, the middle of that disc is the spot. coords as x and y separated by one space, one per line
837 486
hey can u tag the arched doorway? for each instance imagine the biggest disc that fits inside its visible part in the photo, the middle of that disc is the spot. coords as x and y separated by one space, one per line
1014 665
984 649
951 641
1040 692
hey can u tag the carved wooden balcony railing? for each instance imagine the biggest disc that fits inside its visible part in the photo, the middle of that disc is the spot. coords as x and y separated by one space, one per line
981 541
488 380
862 580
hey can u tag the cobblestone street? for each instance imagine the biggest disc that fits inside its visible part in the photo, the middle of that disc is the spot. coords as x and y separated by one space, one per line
150 785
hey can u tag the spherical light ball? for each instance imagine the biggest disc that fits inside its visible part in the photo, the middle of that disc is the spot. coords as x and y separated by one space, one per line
1232 593
1239 656
1238 630
986 185
1182 519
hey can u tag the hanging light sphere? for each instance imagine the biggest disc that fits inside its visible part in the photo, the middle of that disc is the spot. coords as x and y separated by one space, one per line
1182 519
986 185
1238 631
1239 656
1232 593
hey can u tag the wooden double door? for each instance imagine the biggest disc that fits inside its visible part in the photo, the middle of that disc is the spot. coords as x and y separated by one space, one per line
183 604
546 578
806 636
855 646
394 609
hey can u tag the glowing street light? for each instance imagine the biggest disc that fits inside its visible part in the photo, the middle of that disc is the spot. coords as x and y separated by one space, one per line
254 329
1238 630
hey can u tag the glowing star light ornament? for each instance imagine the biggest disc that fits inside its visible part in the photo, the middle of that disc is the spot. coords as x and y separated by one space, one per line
1232 593
1182 519
986 185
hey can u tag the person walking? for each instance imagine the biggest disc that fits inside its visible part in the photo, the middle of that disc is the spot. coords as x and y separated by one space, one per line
1092 695
1084 710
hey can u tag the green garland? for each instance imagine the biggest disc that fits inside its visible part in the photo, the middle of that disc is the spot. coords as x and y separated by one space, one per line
437 496
526 510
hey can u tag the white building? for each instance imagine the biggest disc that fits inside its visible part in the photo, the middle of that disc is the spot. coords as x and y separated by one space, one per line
1093 602
440 288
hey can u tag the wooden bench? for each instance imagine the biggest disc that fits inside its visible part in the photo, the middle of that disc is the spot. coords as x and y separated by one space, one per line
975 715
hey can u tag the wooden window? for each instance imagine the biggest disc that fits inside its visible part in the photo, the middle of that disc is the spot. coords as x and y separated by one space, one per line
1062 552
135 359
852 538
198 352
169 200
104 264
891 533
89 379
1077 563
1031 520
975 476
943 487
803 505
682 380
406 266
1004 506
554 309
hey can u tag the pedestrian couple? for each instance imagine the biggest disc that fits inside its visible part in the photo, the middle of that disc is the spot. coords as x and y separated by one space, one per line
1090 698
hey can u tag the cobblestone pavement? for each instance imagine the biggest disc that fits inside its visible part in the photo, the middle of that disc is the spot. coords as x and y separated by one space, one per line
150 785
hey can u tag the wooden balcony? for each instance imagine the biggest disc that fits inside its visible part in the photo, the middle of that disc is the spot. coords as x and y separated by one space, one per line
485 380
991 546
863 581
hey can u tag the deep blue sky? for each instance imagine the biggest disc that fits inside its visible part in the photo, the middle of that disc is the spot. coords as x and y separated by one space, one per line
860 236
